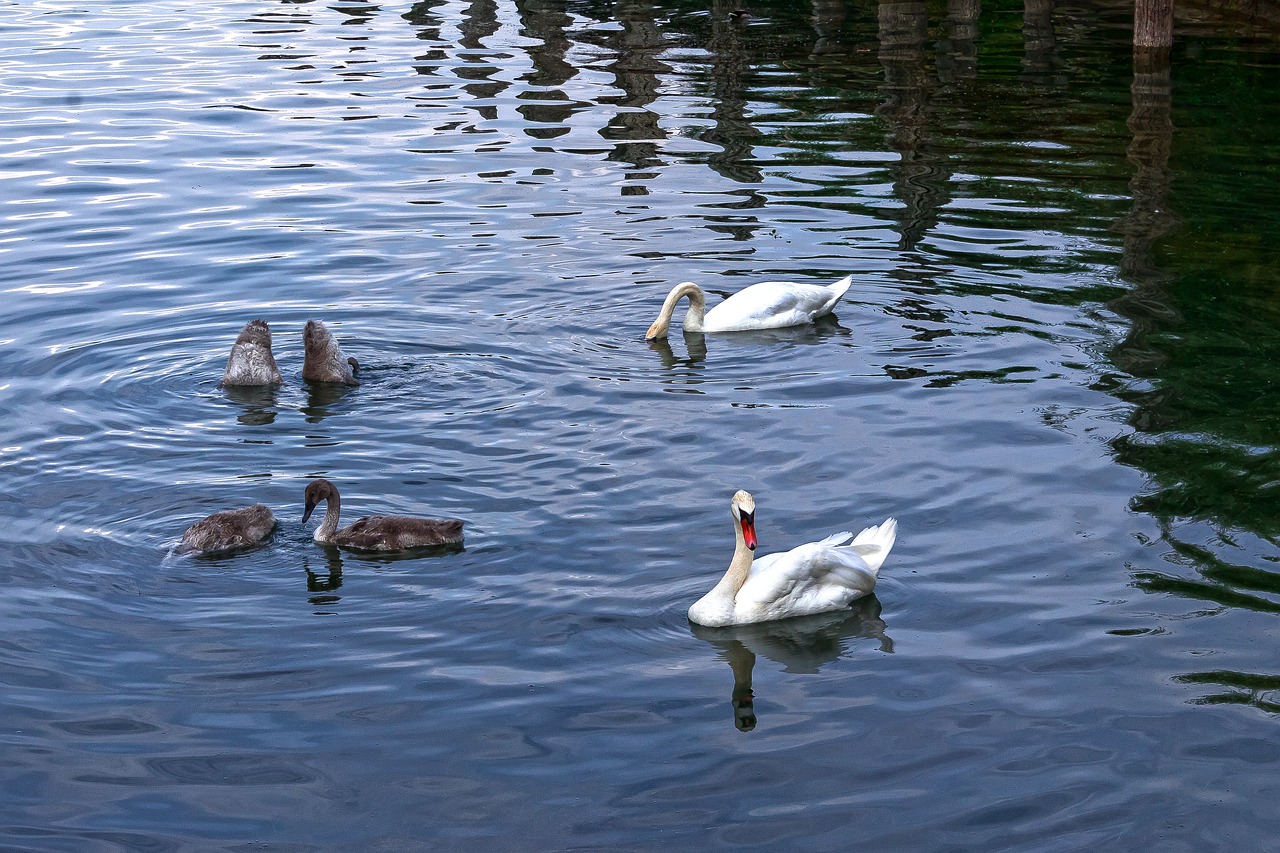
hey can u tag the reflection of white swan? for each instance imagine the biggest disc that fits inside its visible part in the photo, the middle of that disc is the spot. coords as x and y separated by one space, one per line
251 361
801 645
376 532
767 305
228 530
322 359
813 578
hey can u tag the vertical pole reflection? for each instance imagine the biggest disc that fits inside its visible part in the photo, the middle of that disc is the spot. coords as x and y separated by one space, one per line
1037 33
426 24
547 23
921 175
733 133
1039 41
958 54
828 20
1147 305
637 73
479 21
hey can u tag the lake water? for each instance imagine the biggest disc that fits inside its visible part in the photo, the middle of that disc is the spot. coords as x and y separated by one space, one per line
1056 368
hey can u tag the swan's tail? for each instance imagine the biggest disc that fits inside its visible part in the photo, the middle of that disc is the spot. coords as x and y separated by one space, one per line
872 544
875 542
838 289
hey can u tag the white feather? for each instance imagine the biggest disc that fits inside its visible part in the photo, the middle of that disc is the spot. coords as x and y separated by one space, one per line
812 578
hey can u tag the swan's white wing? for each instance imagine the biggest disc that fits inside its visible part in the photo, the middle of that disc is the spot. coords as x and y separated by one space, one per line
812 578
771 305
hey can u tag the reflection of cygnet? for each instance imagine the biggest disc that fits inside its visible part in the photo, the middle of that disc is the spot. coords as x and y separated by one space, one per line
812 578
767 305
228 530
376 532
251 361
322 357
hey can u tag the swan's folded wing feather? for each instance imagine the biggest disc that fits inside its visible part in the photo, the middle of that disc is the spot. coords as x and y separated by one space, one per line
810 578
768 305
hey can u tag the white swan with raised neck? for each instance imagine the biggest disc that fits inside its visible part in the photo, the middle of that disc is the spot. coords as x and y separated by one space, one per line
767 305
813 578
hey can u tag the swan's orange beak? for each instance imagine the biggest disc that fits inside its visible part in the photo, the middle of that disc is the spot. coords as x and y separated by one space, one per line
749 530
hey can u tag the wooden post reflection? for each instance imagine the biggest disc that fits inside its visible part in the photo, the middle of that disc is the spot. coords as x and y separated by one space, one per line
734 133
547 23
828 20
1039 41
479 22
958 55
1147 306
921 176
1150 146
638 71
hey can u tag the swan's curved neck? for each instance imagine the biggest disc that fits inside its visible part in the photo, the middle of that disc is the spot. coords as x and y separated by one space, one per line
328 527
692 320
739 566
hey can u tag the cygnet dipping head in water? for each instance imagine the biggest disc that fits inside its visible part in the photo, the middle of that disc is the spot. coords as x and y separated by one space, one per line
229 530
251 361
323 360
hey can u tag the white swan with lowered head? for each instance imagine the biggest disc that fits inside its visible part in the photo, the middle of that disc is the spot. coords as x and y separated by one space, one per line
322 359
767 305
251 361
812 578
376 532
229 530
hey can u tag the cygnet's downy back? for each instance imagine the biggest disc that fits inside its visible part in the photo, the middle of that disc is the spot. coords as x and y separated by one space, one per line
323 360
229 530
251 361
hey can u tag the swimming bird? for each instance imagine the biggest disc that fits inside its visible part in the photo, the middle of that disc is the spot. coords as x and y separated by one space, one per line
767 305
376 532
322 359
251 361
229 530
813 578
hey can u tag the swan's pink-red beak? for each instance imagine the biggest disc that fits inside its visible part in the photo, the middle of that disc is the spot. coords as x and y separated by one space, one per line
749 530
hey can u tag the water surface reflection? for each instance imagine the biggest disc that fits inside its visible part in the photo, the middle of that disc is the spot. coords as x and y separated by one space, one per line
257 403
802 646
1070 410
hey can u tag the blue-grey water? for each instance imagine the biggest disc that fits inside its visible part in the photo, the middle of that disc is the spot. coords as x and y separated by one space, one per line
1055 368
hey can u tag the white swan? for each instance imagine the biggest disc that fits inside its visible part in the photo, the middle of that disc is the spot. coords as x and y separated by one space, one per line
322 359
251 361
229 530
767 305
376 532
812 578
